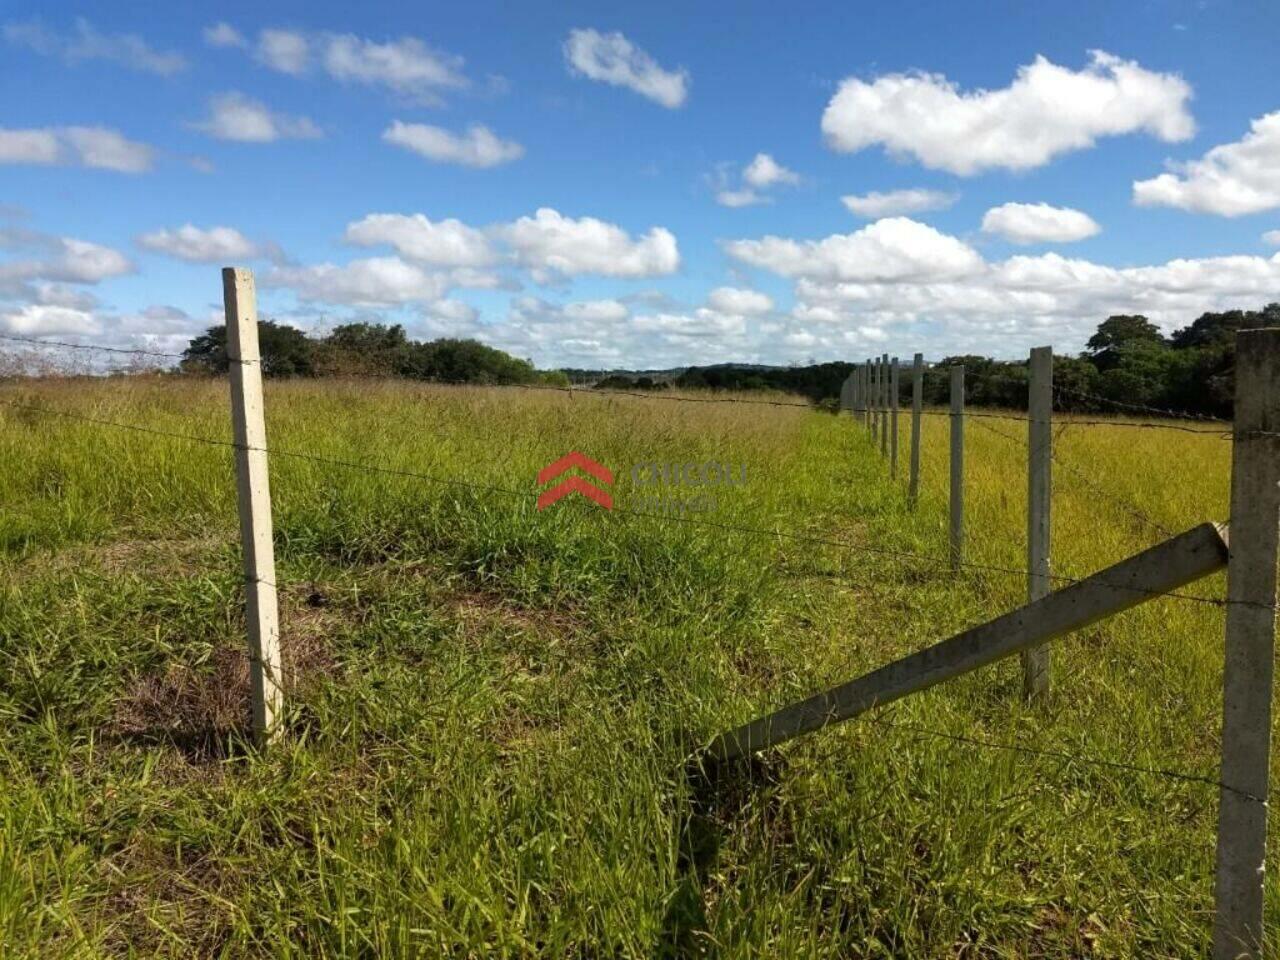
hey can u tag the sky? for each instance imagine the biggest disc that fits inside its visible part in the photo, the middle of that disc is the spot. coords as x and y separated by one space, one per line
610 186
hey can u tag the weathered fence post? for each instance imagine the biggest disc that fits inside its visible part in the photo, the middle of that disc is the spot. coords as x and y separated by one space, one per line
893 419
1035 662
884 405
917 399
1251 632
874 369
869 373
957 466
254 497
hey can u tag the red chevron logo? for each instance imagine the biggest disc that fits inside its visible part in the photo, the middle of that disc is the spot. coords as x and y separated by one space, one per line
575 484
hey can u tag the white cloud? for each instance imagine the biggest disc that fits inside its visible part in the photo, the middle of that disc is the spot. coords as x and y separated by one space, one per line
759 175
86 43
1046 111
407 66
108 149
195 245
54 261
738 301
284 51
99 147
478 147
1230 180
764 171
1272 237
233 116
609 311
34 319
36 146
551 243
1038 223
613 59
447 243
996 307
83 262
222 34
740 198
888 250
875 204
372 282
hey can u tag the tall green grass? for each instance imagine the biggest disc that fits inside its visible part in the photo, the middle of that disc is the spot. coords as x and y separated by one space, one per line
491 707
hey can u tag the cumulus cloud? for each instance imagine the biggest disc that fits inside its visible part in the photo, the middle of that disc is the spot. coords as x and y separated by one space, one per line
448 243
553 244
45 263
196 245
892 249
998 307
739 301
764 171
875 204
85 42
613 59
477 147
1047 110
35 319
406 66
1038 223
222 34
1230 180
758 176
234 116
284 51
371 282
98 147
745 197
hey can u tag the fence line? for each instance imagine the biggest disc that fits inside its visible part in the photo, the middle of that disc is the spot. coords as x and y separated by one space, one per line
853 548
1251 562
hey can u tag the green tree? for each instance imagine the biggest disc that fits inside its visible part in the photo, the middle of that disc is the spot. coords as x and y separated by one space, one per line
285 351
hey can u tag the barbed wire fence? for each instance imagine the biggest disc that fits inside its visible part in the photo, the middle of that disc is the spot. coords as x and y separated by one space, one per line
867 399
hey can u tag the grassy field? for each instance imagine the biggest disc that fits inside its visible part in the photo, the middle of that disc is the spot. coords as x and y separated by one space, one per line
490 707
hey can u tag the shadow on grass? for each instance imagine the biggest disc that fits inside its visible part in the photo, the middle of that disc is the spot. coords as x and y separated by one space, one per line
720 796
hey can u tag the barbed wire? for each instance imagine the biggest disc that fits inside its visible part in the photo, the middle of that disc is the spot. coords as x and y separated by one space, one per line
87 346
1070 757
1143 408
1095 486
938 561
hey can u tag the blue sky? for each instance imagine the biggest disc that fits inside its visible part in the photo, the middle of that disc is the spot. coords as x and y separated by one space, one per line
654 185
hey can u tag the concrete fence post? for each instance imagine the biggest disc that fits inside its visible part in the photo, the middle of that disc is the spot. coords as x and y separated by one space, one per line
254 498
874 369
1035 662
884 405
893 418
1250 645
957 467
917 400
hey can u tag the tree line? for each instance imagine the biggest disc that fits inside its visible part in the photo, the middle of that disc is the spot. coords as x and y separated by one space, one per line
1126 361
367 349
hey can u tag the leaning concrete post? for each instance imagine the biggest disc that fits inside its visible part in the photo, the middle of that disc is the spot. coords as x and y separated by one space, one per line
1251 632
875 398
957 466
254 497
917 400
1035 663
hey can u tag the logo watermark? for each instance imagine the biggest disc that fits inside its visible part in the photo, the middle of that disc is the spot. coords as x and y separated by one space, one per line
575 483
